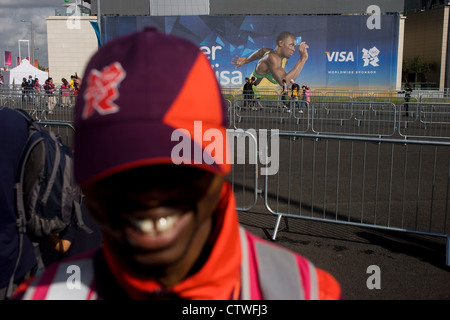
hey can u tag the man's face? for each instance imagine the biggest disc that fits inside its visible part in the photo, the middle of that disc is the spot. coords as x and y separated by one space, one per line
287 46
156 216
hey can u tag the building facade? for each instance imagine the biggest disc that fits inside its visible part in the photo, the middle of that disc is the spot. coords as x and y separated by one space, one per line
71 42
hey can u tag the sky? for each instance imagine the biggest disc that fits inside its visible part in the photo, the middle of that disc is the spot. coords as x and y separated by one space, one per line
12 30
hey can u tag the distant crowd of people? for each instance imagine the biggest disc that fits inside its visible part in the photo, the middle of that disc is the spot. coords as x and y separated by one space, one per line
67 91
252 96
66 87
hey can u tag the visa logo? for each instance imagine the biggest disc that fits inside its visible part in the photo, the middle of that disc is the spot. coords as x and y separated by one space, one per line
341 56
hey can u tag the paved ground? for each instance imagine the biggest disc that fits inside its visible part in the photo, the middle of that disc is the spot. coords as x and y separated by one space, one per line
412 267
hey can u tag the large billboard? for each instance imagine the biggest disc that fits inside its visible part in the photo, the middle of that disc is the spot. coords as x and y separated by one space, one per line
344 51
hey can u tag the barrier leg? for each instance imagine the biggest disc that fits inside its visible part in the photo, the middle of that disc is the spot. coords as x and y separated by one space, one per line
276 227
447 255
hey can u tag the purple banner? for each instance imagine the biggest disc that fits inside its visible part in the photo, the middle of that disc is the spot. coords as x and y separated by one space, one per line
8 58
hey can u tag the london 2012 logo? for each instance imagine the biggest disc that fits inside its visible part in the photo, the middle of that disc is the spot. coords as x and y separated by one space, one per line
371 57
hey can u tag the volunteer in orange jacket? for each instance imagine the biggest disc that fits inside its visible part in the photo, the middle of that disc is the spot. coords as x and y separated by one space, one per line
152 161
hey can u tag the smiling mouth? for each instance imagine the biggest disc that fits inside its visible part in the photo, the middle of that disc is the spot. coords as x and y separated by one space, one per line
157 233
151 226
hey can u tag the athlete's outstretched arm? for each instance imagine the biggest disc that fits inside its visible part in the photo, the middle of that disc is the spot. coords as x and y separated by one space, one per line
258 54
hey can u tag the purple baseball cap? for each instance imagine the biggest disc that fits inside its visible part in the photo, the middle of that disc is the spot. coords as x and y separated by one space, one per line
148 98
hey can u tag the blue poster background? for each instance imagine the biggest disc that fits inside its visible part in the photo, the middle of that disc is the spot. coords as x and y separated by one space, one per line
343 51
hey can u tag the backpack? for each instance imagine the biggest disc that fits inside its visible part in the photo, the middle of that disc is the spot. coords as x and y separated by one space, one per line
47 198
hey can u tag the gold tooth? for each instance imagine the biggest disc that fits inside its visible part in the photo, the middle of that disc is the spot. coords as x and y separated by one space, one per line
147 225
163 224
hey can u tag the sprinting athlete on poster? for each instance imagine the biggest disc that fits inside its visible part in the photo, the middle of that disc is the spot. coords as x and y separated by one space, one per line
269 71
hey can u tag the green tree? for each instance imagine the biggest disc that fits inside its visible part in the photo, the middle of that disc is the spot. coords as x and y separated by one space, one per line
405 69
420 67
42 68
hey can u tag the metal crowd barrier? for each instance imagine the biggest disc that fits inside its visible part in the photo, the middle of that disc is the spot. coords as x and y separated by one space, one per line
425 120
383 183
244 173
356 118
53 112
342 160
362 181
360 116
41 106
64 129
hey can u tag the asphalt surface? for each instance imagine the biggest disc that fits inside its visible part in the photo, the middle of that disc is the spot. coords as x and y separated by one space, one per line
412 267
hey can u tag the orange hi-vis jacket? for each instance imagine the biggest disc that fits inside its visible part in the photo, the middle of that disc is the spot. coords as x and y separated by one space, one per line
240 266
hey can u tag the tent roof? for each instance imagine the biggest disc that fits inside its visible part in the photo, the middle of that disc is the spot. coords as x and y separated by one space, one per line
25 66
24 70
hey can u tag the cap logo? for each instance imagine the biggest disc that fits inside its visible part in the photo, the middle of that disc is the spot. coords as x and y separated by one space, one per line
102 90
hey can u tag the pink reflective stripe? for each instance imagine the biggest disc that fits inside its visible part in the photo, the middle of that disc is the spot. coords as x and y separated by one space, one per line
303 266
92 292
255 291
29 291
52 283
83 269
43 284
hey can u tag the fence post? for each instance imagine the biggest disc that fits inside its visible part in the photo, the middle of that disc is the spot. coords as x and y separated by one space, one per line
447 254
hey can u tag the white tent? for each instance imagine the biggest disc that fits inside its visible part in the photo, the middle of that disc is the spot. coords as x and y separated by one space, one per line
23 70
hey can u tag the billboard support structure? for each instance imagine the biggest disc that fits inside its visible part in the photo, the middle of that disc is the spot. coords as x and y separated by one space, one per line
401 37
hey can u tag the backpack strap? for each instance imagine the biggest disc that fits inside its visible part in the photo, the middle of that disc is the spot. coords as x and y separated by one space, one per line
26 115
57 160
80 221
20 208
21 228
37 254
31 122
